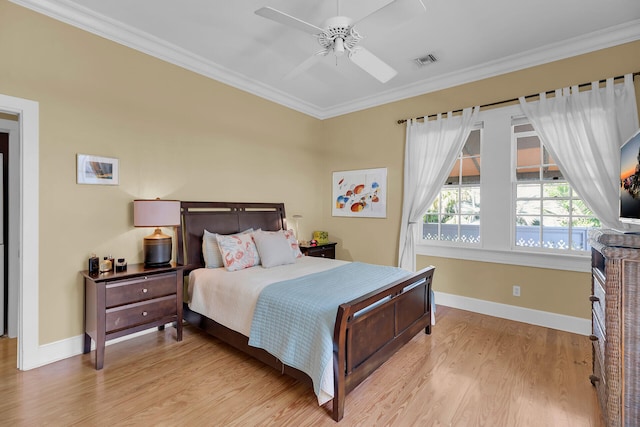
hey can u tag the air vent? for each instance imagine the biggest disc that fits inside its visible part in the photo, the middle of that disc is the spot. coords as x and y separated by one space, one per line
426 60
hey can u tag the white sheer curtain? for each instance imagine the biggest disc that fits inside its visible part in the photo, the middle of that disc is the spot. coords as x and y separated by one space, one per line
583 131
431 149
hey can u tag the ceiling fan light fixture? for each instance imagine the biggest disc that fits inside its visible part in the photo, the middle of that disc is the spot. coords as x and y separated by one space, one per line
338 47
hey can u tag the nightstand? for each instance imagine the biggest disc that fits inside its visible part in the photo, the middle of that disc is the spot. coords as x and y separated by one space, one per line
326 250
119 304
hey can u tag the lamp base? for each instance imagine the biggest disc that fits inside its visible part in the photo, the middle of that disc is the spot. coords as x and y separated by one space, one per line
157 249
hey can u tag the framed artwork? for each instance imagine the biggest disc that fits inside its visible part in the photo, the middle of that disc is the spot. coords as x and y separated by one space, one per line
360 193
97 170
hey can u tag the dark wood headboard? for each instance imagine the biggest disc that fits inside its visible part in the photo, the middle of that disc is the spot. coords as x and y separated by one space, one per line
222 218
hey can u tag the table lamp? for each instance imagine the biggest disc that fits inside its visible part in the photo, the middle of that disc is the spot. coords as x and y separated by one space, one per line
157 247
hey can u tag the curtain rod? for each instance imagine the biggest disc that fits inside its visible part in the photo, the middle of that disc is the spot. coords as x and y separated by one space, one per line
492 104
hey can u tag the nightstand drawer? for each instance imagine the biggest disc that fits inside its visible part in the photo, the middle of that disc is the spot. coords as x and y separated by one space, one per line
140 289
127 316
327 252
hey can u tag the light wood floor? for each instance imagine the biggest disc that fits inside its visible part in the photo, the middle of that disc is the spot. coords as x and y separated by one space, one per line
473 370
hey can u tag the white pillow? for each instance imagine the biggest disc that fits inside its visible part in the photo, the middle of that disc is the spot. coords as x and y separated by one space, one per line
274 248
211 250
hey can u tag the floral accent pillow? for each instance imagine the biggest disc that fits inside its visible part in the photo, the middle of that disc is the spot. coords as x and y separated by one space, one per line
238 251
293 243
211 250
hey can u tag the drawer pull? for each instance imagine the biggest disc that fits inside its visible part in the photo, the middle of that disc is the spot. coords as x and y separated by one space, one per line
594 298
144 313
145 290
593 338
146 277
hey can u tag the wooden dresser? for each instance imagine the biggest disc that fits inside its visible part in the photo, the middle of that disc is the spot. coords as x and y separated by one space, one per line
118 304
615 298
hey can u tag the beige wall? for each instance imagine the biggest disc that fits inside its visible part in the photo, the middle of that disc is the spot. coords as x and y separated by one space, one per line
180 135
177 135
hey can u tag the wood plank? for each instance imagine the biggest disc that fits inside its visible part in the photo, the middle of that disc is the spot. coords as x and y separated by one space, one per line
473 370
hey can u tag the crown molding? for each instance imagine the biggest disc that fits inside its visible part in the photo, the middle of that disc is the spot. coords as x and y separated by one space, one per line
88 20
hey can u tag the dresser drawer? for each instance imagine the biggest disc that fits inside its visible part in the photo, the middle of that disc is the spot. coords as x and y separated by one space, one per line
598 300
598 337
139 313
140 289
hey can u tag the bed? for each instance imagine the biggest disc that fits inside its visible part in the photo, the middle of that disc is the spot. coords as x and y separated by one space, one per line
368 329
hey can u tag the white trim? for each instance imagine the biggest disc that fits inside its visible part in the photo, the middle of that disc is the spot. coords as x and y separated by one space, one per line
28 247
554 261
88 20
576 325
69 347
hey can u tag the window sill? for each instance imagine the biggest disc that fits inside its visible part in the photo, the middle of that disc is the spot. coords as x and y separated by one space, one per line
580 263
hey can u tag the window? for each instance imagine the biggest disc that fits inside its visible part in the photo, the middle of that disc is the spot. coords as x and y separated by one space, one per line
528 216
455 214
548 213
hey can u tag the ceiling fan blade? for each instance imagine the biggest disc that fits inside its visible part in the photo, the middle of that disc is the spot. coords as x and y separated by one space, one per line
390 16
283 18
372 64
304 66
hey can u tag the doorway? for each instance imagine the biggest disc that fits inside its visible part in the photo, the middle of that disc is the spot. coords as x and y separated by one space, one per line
24 226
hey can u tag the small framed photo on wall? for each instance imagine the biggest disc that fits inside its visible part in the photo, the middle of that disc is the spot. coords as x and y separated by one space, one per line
96 170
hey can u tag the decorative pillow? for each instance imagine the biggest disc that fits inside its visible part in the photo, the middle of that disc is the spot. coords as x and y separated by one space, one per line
273 248
238 251
211 250
293 243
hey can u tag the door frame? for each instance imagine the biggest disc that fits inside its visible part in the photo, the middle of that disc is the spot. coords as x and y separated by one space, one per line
27 245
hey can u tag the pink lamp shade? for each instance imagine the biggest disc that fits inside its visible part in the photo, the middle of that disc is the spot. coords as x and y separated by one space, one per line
157 213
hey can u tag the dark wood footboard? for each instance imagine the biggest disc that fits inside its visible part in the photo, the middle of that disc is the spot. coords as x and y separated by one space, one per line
372 328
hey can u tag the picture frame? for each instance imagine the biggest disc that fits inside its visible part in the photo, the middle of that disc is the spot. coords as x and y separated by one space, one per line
97 170
360 193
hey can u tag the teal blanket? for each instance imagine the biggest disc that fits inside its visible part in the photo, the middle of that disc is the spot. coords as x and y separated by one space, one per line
294 319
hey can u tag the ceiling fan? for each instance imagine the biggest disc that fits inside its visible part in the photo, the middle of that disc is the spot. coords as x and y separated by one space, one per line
339 35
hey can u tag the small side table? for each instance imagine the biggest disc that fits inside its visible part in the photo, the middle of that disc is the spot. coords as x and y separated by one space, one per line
326 250
119 304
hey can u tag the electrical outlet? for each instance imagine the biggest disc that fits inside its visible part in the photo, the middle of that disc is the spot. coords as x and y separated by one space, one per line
516 290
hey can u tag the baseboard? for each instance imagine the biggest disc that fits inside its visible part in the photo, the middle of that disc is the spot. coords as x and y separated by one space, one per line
576 325
55 351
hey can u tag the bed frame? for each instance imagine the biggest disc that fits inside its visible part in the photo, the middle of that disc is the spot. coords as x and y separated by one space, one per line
368 330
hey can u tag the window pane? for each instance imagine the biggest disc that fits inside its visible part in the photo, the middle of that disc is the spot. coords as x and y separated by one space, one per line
528 235
455 215
470 201
560 189
556 207
470 170
528 191
454 175
528 151
551 172
555 237
528 207
528 220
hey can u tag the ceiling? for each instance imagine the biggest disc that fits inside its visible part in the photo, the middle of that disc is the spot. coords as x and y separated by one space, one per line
471 39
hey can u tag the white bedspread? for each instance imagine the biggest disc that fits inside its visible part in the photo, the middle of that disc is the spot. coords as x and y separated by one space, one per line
230 298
